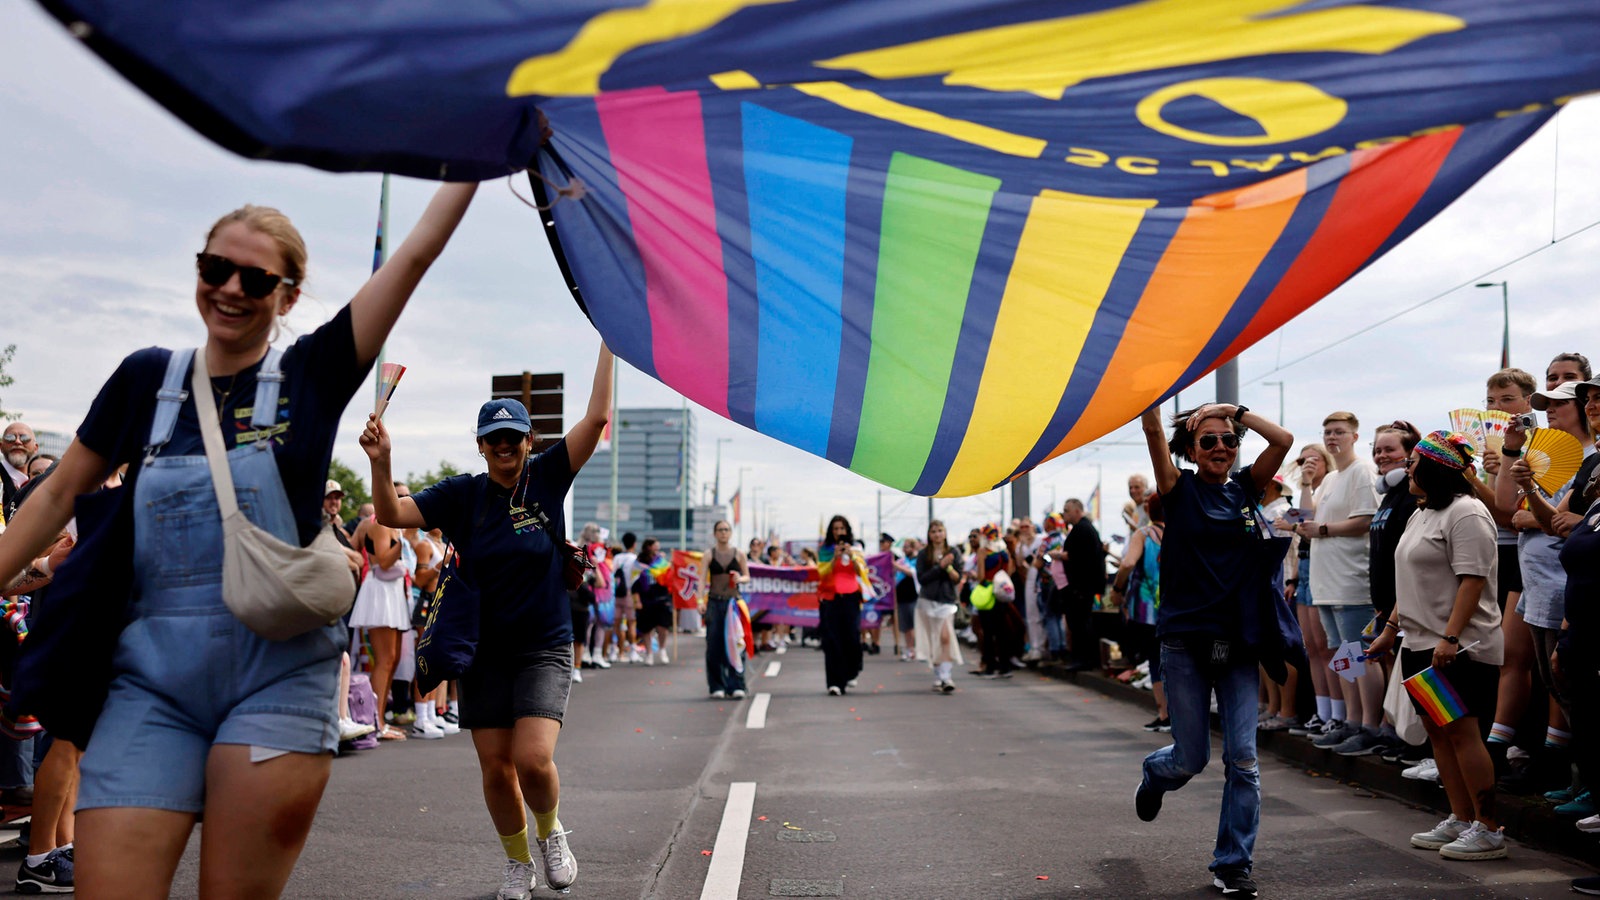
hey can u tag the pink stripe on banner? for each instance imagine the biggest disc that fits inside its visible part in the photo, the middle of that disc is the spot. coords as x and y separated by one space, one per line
657 143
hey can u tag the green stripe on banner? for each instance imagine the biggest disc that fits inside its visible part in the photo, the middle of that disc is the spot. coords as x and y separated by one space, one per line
933 222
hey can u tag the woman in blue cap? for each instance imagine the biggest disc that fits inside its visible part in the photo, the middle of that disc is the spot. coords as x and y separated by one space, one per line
505 525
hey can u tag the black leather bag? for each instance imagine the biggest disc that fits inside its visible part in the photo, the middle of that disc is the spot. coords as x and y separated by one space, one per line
64 669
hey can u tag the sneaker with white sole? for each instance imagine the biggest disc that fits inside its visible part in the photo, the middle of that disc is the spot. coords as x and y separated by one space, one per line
1441 834
1477 842
350 729
738 694
1234 883
663 654
426 731
554 857
51 876
1362 743
1312 725
1335 734
719 695
1427 770
519 881
1590 825
577 676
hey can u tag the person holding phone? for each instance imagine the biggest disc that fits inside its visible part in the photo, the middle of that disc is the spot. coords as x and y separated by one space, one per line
841 583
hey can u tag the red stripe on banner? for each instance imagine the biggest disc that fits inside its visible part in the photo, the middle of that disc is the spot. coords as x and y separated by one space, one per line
657 144
1383 186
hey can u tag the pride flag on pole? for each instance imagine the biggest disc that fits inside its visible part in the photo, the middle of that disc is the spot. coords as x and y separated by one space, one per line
734 503
1436 695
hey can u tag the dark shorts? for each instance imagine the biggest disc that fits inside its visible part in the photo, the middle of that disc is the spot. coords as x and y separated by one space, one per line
497 698
653 615
1510 574
1477 683
906 615
580 625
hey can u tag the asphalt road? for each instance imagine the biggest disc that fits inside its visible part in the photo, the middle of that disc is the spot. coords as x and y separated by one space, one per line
1007 788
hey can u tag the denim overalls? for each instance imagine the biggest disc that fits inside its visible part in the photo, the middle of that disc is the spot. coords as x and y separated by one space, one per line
187 674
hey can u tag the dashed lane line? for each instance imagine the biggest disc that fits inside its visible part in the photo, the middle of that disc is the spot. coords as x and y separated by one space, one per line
772 669
727 856
757 717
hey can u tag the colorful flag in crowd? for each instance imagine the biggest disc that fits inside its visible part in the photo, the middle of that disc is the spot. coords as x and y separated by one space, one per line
682 578
388 379
734 503
1436 695
1094 504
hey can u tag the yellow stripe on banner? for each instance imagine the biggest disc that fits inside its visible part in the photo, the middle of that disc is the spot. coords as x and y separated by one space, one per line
925 120
1085 238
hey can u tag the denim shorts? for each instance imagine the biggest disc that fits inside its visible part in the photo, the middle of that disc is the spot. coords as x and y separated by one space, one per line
1344 623
494 697
1302 586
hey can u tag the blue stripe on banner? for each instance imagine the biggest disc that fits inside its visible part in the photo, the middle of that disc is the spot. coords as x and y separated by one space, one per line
1323 182
795 175
723 116
598 243
1008 215
864 196
1105 335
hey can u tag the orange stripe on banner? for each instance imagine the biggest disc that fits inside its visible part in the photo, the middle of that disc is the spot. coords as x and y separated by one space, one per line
1216 250
1383 186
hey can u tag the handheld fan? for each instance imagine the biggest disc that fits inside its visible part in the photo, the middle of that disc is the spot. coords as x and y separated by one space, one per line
1495 423
1470 423
388 380
1554 456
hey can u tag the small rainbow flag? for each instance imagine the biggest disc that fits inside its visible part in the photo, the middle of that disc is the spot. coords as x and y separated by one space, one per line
1436 695
388 380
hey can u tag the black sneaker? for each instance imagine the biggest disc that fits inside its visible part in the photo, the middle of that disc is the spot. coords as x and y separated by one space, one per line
53 876
1159 723
1234 883
1589 885
1147 802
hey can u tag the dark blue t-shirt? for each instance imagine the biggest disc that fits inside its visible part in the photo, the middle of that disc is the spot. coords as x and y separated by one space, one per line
320 377
1207 555
508 555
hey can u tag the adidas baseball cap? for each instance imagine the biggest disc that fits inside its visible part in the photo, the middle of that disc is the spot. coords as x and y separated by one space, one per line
503 413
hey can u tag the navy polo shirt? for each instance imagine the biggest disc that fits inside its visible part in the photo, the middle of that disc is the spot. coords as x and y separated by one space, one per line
1206 558
507 553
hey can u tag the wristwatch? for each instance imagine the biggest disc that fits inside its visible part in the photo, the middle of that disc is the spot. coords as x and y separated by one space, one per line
1322 530
1452 639
1239 411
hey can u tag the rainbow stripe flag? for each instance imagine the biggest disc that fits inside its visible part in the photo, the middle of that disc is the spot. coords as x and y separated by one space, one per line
1436 695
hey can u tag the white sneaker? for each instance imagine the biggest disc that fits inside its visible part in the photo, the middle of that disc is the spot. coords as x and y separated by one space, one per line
447 726
350 729
1442 833
851 683
1590 824
634 657
518 883
783 647
601 663
426 730
1427 770
718 695
611 653
649 658
663 654
738 694
560 868
1477 842
577 676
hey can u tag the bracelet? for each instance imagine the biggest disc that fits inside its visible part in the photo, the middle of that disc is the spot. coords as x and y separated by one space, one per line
1507 451
1389 623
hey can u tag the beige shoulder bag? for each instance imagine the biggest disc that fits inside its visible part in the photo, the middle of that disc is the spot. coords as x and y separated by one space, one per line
278 590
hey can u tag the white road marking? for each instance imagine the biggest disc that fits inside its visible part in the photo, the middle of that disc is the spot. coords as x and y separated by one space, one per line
757 717
772 669
727 856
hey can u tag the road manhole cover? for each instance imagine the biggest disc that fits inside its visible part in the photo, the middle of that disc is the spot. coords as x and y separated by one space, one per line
808 837
807 887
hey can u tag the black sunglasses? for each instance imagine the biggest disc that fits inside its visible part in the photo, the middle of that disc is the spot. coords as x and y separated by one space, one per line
254 281
503 436
1228 439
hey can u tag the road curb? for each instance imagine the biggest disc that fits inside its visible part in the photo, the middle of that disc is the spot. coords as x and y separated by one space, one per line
1532 822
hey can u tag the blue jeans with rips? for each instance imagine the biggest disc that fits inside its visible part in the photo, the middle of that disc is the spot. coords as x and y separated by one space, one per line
1189 684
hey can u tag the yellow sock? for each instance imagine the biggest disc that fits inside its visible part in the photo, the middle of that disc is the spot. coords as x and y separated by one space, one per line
546 822
517 846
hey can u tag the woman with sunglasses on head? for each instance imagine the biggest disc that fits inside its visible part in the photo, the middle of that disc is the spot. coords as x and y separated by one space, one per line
203 715
508 527
1446 614
1209 565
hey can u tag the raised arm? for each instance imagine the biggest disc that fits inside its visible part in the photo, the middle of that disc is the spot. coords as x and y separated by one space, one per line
38 523
1270 461
583 437
389 508
1156 438
377 306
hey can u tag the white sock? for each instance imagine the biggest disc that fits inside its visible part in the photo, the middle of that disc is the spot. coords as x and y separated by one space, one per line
37 859
1324 707
453 711
422 715
1338 709
944 671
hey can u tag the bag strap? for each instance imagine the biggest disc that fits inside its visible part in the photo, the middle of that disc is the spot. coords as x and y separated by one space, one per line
169 399
211 434
269 384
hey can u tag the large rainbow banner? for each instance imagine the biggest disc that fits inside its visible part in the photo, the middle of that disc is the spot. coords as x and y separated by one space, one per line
936 243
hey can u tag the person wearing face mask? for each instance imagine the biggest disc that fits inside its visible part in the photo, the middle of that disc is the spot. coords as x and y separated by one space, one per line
507 526
1209 569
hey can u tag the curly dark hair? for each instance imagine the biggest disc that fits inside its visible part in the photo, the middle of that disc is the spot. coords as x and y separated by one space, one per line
1183 438
849 533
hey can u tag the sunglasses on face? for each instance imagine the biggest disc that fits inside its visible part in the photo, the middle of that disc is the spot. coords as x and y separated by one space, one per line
503 436
1228 439
17 439
254 281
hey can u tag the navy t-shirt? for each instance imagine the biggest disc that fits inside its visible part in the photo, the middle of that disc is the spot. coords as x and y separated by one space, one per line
508 555
1207 555
1394 510
320 377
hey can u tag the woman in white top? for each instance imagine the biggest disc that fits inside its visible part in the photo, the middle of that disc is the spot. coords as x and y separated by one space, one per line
383 607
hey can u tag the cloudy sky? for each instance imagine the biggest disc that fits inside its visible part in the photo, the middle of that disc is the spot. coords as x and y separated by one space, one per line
105 197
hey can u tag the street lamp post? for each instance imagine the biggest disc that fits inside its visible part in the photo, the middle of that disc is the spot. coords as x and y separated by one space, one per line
1505 314
1279 386
716 483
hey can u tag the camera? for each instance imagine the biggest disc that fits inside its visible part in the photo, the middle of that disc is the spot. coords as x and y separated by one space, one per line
1526 421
